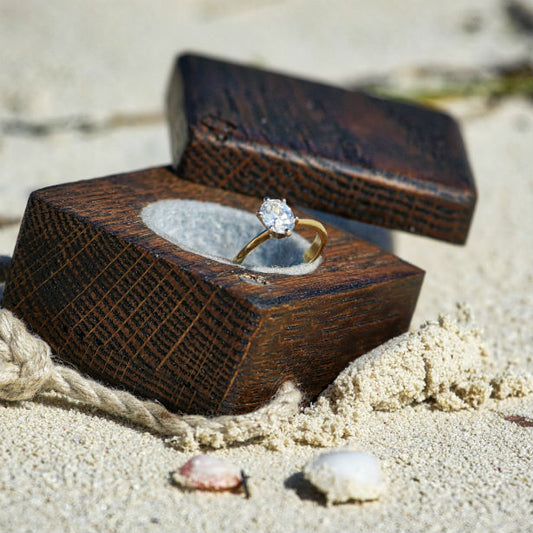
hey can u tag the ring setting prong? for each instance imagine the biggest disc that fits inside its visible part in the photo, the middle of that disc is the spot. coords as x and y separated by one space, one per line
277 217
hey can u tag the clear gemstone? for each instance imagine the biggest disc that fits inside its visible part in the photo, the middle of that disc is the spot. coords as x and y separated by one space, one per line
277 216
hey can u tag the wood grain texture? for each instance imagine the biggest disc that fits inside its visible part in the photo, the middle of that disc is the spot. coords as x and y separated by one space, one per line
264 134
130 308
5 265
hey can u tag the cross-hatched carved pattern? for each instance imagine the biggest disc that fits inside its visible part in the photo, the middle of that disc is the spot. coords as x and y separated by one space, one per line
132 309
406 208
132 319
377 161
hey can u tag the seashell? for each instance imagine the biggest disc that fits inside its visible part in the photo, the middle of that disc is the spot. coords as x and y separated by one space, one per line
208 473
345 475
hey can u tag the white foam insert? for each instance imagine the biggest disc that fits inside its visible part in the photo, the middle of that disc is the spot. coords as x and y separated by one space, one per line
218 232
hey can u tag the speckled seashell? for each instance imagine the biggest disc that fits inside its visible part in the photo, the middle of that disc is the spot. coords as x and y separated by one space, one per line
208 473
346 475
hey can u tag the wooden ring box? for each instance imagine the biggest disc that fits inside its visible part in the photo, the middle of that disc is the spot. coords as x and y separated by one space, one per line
127 306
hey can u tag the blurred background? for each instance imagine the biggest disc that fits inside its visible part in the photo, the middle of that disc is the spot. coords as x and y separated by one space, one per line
82 88
82 83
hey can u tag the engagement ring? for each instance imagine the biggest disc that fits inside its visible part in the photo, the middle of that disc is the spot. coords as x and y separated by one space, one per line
279 221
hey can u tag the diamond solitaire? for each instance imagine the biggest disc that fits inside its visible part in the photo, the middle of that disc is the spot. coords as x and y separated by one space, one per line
277 217
279 221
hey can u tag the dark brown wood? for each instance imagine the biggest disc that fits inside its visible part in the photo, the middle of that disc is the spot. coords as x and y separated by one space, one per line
132 309
378 161
5 264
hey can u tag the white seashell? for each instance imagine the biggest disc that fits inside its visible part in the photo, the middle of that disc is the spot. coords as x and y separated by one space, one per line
345 475
208 473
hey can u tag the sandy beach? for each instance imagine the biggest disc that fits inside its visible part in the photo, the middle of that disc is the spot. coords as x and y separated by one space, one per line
81 95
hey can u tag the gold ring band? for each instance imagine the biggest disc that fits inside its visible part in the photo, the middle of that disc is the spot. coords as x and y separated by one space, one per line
279 221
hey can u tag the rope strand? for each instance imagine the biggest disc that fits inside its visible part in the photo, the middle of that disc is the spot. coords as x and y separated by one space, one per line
27 370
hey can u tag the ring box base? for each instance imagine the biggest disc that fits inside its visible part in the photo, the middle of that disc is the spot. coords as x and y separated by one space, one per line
128 307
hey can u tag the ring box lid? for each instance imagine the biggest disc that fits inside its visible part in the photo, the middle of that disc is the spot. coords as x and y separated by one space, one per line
383 162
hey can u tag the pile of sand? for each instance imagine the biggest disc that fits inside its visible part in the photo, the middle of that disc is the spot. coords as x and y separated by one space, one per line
443 362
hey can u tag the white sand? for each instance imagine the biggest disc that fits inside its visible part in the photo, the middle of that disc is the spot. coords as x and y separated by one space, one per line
69 469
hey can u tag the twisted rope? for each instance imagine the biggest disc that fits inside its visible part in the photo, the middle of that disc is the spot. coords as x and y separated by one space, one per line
27 370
